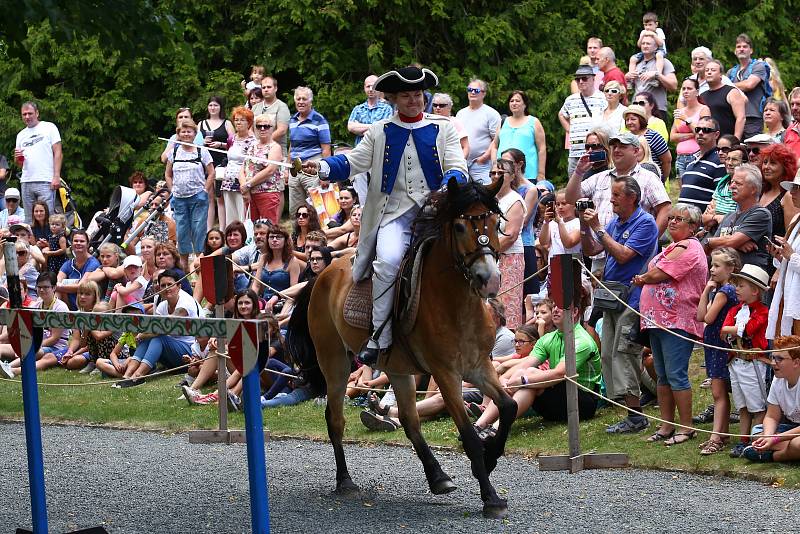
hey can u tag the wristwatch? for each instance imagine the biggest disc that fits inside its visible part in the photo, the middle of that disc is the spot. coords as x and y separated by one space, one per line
599 234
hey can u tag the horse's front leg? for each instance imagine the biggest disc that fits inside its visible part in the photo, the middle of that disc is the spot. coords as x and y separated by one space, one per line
404 391
450 387
485 378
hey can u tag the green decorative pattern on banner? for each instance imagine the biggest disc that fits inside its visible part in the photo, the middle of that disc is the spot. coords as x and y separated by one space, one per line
117 322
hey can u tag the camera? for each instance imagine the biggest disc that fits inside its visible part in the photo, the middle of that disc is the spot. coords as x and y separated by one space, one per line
597 155
548 199
584 204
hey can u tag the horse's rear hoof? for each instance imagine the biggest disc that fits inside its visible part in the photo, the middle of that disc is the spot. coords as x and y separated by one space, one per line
496 510
347 488
443 486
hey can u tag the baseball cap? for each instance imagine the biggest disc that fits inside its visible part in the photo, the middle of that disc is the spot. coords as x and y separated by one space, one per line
132 260
625 138
12 192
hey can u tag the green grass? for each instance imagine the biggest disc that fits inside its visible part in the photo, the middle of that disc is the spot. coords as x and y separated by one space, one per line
156 406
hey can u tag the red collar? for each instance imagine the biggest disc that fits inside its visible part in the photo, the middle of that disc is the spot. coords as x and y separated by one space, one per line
403 118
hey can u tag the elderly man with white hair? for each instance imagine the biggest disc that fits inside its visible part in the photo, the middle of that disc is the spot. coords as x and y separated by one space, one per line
747 228
700 57
309 139
482 123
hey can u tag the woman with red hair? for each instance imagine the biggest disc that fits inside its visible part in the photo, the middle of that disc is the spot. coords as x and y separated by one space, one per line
778 164
243 141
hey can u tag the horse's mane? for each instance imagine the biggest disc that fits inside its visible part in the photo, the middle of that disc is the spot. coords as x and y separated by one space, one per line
445 204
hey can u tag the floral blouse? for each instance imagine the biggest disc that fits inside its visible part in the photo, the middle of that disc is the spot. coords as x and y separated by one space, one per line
273 183
236 155
673 302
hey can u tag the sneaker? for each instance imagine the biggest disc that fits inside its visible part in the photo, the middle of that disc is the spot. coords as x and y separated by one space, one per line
96 372
706 383
234 402
87 369
380 423
128 383
754 455
629 426
706 416
5 370
738 449
647 398
190 394
211 398
734 418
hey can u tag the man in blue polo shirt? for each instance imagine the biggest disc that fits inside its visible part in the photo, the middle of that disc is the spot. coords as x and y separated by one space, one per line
629 241
369 112
702 175
309 139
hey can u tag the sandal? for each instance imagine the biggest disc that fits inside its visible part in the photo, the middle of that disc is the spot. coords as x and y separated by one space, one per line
374 404
713 446
680 437
658 436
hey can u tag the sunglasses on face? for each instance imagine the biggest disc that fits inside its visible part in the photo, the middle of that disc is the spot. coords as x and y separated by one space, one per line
582 78
641 102
474 90
263 126
495 174
302 215
725 149
439 106
753 150
593 146
612 91
704 129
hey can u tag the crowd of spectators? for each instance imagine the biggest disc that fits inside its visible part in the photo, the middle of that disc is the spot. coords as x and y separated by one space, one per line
718 265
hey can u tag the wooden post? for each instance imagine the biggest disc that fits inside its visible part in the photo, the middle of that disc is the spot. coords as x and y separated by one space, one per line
566 293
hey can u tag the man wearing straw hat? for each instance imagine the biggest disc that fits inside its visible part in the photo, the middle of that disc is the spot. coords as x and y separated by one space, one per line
408 156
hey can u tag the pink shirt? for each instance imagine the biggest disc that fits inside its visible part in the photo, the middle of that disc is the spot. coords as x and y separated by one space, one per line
689 146
673 302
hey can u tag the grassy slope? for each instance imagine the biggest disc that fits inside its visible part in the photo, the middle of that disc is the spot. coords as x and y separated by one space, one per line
156 406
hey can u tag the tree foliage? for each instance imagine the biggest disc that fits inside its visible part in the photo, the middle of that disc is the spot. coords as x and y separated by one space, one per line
111 75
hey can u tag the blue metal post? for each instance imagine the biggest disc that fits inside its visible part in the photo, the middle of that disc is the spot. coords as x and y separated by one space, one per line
33 436
256 456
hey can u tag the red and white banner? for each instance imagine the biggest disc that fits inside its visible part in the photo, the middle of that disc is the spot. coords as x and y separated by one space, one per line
243 345
20 331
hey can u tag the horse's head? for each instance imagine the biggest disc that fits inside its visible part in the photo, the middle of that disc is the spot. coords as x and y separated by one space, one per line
474 213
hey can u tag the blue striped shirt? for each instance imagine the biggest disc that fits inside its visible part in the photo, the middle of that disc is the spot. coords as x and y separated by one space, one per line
364 114
700 179
307 136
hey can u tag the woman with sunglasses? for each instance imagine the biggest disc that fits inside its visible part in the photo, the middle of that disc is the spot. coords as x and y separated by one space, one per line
442 104
305 222
686 117
613 114
525 133
648 102
261 184
277 268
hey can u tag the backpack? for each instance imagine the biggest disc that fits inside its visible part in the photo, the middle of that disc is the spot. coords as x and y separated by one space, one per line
197 159
764 83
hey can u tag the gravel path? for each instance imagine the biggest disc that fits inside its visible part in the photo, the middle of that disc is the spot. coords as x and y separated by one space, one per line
146 482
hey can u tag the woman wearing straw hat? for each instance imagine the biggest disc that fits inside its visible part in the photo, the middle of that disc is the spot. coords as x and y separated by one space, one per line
430 154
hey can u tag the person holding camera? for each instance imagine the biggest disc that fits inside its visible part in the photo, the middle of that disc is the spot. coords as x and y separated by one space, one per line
629 240
625 148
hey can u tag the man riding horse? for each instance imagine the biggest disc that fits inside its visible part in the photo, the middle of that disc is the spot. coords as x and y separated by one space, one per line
408 156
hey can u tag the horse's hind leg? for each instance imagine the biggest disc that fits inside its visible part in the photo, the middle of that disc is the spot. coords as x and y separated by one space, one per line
404 391
450 387
336 368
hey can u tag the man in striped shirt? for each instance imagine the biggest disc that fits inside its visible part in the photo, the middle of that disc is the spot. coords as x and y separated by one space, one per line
309 139
701 176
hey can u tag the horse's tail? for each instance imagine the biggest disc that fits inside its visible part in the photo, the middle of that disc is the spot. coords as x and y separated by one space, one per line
299 344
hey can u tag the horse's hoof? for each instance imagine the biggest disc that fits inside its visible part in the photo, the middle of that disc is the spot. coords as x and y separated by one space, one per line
347 488
496 510
443 486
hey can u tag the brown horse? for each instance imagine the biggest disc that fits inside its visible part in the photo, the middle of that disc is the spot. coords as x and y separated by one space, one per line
451 338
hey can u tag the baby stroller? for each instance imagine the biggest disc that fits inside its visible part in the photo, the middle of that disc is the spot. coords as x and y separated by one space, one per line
110 225
64 204
157 204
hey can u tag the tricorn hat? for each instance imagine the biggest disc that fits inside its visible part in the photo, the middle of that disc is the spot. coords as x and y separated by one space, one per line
406 79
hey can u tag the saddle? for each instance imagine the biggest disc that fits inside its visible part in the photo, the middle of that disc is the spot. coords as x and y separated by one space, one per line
358 303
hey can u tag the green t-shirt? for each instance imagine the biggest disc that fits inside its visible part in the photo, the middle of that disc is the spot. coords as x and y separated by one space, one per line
550 347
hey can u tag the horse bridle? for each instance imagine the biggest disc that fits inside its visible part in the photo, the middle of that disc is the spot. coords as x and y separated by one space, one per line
479 226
